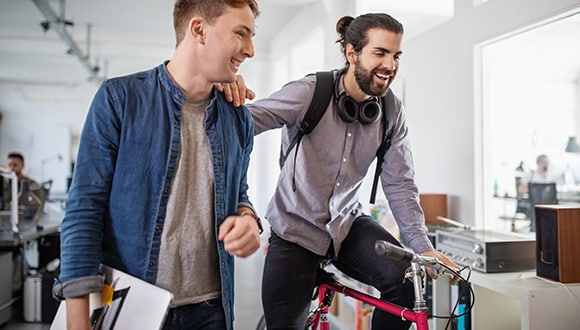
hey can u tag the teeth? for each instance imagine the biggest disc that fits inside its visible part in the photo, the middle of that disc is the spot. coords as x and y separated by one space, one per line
383 76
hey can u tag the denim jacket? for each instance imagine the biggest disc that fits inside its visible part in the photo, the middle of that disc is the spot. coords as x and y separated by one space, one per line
126 161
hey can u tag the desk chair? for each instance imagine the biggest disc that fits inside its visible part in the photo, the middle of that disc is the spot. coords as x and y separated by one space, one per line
540 193
46 186
523 208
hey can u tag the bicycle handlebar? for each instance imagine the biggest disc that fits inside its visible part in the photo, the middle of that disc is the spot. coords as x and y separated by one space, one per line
398 253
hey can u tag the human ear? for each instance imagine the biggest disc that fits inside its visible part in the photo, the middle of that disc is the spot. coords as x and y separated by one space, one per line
350 53
197 29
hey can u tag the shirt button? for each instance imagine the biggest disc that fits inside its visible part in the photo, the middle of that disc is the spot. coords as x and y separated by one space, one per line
349 134
151 264
344 159
158 227
173 155
338 184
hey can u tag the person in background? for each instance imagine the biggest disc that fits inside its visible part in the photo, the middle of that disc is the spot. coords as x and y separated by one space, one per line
25 185
159 189
322 218
540 175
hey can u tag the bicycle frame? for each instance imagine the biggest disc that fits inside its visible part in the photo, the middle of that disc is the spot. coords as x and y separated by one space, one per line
318 318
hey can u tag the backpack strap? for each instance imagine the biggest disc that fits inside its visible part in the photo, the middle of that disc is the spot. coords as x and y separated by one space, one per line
318 105
388 120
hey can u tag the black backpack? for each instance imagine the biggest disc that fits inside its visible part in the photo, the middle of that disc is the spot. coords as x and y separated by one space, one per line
322 95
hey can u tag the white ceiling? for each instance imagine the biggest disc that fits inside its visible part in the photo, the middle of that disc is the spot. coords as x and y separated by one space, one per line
128 36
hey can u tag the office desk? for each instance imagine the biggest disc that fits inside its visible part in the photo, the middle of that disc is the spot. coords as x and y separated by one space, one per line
517 300
48 223
14 244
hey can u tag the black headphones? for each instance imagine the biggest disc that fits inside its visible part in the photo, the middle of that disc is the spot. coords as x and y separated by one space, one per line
351 111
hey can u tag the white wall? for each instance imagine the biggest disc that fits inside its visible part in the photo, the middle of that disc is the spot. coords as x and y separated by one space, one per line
442 97
438 78
39 124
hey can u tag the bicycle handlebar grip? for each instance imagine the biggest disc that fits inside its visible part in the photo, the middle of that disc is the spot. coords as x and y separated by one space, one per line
392 251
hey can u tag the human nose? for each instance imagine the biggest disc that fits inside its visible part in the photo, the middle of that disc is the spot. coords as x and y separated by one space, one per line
390 63
248 48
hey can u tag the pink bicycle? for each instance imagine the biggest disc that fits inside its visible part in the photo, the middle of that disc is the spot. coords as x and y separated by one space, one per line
329 285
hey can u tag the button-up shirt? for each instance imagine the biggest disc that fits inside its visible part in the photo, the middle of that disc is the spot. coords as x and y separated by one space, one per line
329 167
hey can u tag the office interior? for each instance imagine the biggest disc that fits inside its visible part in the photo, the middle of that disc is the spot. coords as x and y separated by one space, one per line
487 85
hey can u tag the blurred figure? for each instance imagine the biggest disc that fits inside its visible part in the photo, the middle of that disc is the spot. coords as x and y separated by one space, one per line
540 175
29 191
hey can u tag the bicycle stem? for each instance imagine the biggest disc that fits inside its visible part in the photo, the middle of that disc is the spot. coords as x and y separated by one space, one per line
416 273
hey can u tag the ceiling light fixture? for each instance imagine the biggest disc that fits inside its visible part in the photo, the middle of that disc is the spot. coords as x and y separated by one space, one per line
59 24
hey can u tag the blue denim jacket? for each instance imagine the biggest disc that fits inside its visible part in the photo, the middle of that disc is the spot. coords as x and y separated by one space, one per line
126 161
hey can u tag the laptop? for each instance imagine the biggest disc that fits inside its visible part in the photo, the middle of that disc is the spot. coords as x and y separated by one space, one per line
126 303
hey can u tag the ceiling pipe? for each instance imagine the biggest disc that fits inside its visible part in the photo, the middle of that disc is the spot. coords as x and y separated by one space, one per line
60 24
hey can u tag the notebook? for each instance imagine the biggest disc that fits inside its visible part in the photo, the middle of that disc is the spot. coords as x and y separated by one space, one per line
126 303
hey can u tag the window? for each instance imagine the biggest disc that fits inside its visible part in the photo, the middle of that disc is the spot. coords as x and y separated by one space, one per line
530 106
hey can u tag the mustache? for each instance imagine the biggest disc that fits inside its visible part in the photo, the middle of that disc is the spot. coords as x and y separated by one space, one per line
385 72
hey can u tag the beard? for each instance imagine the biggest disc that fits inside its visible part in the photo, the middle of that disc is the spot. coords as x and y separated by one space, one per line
364 79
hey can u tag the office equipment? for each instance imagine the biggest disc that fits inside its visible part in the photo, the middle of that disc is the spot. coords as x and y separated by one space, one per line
541 194
7 173
488 251
134 304
32 309
558 246
5 287
49 224
515 300
38 303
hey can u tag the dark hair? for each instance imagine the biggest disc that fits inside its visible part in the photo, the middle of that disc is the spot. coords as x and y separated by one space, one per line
541 158
354 31
16 155
184 10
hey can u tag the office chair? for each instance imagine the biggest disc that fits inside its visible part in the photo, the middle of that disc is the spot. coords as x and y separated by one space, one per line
522 202
46 186
540 194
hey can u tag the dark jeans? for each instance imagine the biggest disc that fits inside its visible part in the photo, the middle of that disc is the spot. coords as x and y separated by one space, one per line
290 275
207 315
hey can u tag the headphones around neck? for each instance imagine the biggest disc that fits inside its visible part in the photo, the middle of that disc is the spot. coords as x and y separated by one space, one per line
351 111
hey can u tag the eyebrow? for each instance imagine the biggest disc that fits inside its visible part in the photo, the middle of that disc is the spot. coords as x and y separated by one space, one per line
385 50
248 30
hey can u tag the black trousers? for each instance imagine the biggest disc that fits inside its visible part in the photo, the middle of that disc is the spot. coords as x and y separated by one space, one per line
290 276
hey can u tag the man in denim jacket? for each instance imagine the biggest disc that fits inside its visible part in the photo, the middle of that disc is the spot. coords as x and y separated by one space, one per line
159 188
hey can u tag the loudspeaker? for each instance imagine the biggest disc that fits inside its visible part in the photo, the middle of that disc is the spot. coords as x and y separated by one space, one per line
558 243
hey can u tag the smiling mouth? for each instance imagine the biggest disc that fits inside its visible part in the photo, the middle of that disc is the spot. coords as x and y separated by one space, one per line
385 77
236 63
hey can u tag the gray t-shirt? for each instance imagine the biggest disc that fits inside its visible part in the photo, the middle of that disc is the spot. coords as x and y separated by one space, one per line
188 260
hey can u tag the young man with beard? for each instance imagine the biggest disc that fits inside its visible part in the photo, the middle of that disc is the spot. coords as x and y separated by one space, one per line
160 187
315 213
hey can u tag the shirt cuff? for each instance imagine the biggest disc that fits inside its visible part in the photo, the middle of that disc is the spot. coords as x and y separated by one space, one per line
78 287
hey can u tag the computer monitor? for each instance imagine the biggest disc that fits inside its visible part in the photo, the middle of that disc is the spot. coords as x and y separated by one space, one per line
541 194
